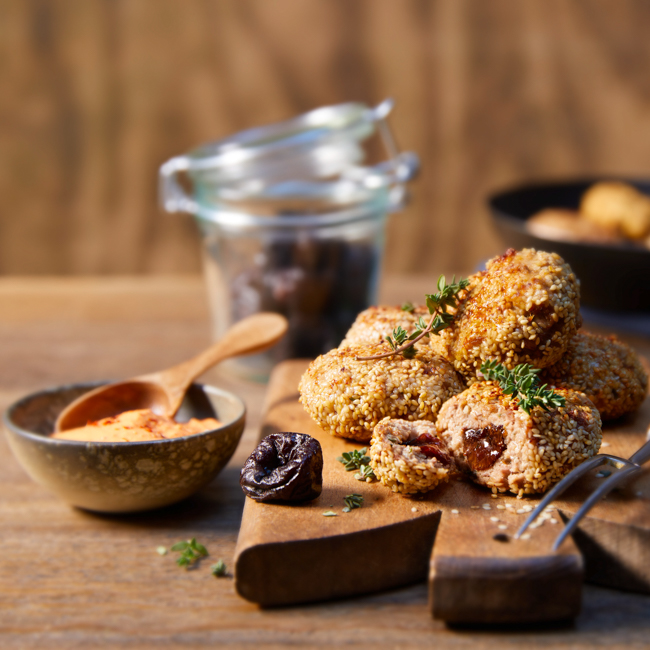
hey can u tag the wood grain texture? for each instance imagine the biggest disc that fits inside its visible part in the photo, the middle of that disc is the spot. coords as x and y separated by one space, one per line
69 579
96 95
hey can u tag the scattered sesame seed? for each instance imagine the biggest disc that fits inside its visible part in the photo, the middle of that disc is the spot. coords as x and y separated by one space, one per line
454 512
502 526
501 507
525 536
486 506
520 511
494 519
414 509
553 520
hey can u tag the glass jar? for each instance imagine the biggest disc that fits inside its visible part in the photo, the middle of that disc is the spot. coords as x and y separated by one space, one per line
292 222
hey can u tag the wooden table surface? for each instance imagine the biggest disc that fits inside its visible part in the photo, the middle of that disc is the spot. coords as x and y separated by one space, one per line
72 579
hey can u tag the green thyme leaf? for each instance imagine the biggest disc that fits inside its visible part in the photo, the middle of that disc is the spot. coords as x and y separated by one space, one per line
522 382
409 307
219 569
161 550
190 552
354 459
365 473
352 501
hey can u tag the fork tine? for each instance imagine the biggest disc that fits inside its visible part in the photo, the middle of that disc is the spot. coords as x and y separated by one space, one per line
604 489
567 481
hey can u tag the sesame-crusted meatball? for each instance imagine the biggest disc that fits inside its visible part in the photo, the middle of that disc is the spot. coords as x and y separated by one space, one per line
409 457
606 370
374 324
525 309
500 446
348 397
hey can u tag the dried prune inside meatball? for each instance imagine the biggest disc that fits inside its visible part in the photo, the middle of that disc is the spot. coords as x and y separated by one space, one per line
501 446
409 457
284 467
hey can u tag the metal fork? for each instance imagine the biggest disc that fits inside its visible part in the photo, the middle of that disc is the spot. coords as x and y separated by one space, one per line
624 469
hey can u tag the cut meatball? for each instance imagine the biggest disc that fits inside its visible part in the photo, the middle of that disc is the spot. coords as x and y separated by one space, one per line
502 447
348 397
409 457
606 370
525 309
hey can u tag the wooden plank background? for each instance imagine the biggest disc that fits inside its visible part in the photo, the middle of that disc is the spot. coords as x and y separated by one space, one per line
96 94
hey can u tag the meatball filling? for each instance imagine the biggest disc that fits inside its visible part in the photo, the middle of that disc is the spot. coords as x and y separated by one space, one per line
409 457
483 447
500 446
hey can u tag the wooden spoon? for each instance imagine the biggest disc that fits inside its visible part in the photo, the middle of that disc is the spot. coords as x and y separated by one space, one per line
163 391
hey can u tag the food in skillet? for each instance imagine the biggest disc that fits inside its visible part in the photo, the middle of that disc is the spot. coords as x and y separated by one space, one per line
524 310
347 396
511 443
618 206
409 457
560 224
610 213
606 370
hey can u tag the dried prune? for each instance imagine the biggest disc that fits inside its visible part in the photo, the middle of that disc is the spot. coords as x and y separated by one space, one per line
429 445
284 467
483 447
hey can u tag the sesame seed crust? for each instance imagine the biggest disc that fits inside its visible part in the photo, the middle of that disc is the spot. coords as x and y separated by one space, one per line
405 468
605 369
374 324
541 448
347 397
524 309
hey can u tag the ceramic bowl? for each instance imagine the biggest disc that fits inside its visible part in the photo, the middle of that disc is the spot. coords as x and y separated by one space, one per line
123 476
612 276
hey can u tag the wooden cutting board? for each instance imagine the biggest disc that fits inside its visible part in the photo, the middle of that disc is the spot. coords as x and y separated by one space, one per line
292 554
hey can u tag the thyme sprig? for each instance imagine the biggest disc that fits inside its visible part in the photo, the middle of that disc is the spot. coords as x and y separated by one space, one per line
352 501
357 459
401 342
365 473
219 570
523 383
191 552
354 459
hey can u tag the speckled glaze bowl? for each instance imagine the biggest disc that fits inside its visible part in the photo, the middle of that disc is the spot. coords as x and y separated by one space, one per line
123 476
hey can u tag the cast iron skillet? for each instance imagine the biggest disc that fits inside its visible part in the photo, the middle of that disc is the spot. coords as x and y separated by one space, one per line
613 277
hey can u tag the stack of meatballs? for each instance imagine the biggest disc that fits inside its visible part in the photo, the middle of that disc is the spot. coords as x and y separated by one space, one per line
433 417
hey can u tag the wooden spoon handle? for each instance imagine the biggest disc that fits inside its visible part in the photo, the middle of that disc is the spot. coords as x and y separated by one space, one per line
247 336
